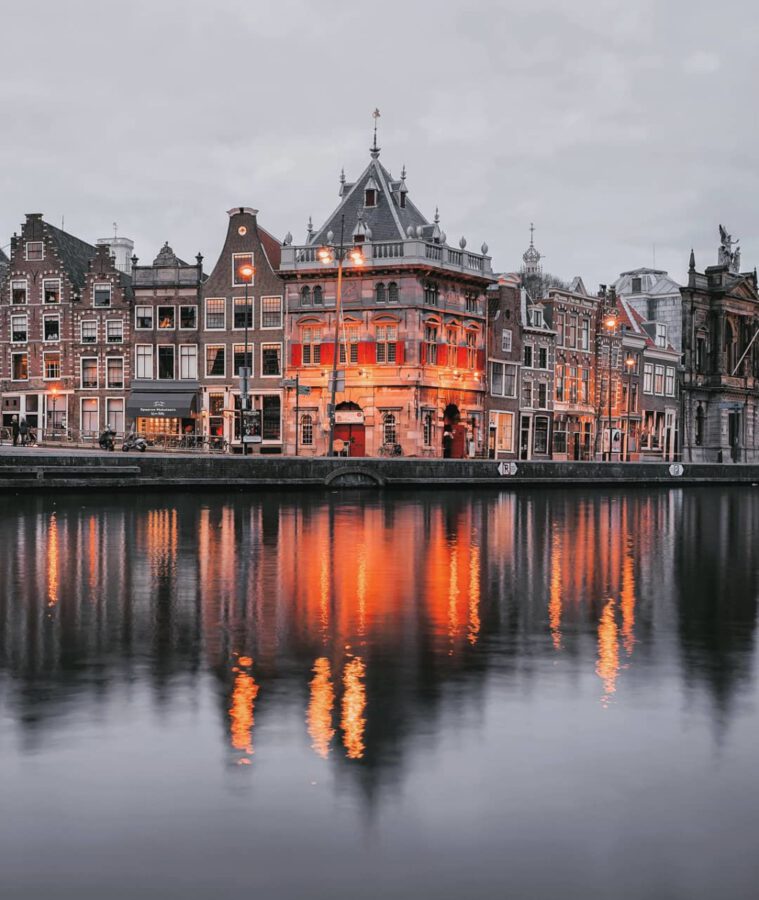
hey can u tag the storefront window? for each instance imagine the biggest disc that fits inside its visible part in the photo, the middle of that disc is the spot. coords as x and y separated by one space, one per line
541 434
271 415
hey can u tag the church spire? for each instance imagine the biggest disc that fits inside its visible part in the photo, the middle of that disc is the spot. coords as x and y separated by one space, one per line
531 257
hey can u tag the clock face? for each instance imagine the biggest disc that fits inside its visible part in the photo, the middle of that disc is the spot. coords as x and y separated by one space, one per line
242 230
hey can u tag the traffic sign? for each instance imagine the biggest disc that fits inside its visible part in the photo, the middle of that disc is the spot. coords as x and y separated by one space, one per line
304 390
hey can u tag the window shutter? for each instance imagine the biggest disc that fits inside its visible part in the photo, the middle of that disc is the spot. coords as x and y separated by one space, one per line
422 353
367 352
296 355
400 351
328 354
481 360
461 357
442 354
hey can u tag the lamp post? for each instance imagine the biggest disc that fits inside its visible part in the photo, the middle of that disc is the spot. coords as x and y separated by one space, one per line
629 363
327 257
246 272
610 324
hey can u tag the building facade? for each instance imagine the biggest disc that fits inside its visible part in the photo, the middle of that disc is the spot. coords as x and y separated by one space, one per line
504 337
720 377
409 330
536 388
655 297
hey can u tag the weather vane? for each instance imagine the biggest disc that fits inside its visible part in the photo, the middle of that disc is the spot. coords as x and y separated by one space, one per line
375 116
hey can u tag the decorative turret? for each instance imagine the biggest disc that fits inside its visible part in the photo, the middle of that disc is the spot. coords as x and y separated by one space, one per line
531 257
166 257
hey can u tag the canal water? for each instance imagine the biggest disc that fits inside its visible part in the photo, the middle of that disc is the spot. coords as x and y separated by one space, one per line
529 694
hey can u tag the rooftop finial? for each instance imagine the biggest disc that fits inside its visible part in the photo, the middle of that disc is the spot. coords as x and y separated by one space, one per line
437 216
374 148
342 175
309 229
531 257
403 172
532 232
692 262
115 229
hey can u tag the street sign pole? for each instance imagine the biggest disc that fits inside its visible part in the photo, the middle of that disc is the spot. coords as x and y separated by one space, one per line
297 411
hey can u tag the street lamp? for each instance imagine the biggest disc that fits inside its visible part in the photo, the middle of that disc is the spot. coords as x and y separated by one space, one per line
246 272
610 323
327 255
629 363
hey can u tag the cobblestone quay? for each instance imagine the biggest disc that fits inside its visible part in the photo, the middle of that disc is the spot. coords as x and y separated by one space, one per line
39 469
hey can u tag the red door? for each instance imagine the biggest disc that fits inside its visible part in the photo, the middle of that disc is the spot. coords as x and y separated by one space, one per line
354 436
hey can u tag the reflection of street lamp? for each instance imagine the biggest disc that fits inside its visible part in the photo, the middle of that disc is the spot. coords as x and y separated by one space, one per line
610 324
328 256
246 272
630 363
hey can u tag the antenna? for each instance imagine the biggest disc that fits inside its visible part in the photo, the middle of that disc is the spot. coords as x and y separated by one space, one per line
654 254
115 230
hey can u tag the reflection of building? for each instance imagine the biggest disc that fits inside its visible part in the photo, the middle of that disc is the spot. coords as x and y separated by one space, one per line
223 333
720 382
65 328
411 334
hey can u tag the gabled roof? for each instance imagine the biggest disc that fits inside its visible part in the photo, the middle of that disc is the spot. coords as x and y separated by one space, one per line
630 318
653 282
3 264
387 221
75 254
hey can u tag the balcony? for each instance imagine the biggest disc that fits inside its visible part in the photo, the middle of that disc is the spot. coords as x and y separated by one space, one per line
408 252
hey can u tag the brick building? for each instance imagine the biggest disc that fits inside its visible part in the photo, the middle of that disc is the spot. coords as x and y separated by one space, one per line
504 339
223 334
536 383
410 331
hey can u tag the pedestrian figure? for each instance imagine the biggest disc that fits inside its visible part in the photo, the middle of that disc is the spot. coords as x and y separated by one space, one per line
23 431
15 430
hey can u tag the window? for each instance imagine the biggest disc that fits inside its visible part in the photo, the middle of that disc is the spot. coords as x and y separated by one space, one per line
101 294
51 290
143 356
389 429
537 318
271 360
215 317
471 299
585 333
379 292
35 250
51 328
307 430
648 375
18 290
188 362
242 312
527 394
669 382
542 395
90 417
659 380
503 379
700 354
349 338
143 317
89 368
114 414
305 295
20 366
370 197
114 371
504 431
19 331
188 317
318 296
559 319
496 379
114 331
430 344
572 386
636 285
52 365
215 362
271 417
239 261
541 435
166 361
661 335
392 292
542 357
427 429
584 385
312 348
471 349
241 359
89 331
431 293
528 356
167 317
271 312
387 336
571 332
699 426
559 382
506 340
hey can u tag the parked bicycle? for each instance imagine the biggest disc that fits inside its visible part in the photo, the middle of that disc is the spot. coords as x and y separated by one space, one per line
391 450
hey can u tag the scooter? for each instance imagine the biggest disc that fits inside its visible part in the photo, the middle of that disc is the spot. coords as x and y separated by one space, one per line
134 442
106 439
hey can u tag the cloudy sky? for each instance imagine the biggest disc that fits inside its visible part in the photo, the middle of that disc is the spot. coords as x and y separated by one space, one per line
614 125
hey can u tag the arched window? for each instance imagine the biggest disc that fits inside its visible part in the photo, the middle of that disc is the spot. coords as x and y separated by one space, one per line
307 430
389 429
427 429
305 295
392 292
379 292
318 297
431 293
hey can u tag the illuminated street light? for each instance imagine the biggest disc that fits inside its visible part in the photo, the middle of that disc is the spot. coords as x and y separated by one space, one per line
630 364
246 273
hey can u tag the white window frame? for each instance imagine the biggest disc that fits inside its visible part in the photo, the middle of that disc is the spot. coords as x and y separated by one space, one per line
15 284
89 387
109 415
251 305
507 340
158 362
206 348
669 379
661 334
28 244
108 385
648 378
152 317
13 356
82 401
251 353
150 355
102 286
46 281
182 327
252 281
45 376
263 346
158 326
25 317
114 322
50 318
659 374
223 301
261 313
84 322
183 357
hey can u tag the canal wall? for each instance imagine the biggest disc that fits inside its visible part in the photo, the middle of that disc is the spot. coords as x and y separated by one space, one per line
42 470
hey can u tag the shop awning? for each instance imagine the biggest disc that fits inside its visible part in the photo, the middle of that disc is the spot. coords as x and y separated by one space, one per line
157 401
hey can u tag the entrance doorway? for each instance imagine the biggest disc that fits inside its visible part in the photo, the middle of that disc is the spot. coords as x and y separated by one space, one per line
353 437
525 436
734 435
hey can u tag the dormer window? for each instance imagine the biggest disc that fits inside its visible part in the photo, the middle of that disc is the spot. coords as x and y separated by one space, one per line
636 285
402 200
370 197
661 335
537 318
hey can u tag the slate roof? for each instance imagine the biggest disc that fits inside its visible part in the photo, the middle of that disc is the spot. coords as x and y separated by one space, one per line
3 264
653 282
630 317
74 253
388 221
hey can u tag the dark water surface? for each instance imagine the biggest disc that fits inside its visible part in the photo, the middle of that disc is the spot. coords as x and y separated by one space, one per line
447 695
